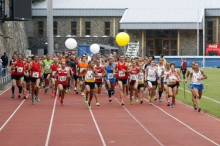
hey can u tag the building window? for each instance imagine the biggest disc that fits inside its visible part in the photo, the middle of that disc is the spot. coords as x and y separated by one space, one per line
74 28
210 32
107 28
87 28
40 28
55 28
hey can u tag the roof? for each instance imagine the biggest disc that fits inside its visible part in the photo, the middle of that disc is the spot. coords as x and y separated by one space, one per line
178 14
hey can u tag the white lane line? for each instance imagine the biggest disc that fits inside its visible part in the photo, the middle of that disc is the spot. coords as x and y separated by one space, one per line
208 98
5 90
97 127
181 122
51 120
6 122
145 129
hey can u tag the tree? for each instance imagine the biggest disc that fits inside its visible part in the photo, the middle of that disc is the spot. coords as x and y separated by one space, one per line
34 1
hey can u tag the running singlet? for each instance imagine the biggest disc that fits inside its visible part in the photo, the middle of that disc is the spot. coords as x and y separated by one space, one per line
172 78
99 71
82 66
165 75
134 75
35 70
160 69
13 62
89 76
195 77
47 66
54 68
151 76
26 68
141 78
62 77
19 68
120 73
109 72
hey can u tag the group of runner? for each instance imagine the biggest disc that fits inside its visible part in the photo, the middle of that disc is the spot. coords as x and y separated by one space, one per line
133 76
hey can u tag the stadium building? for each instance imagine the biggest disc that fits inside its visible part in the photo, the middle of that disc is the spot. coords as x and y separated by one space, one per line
171 27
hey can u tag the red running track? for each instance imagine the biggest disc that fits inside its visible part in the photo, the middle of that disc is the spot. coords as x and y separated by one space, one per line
110 124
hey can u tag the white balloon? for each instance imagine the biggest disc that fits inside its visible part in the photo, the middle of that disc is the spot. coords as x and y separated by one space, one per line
95 48
71 43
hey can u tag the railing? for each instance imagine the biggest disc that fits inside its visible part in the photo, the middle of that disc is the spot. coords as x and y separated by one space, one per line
5 78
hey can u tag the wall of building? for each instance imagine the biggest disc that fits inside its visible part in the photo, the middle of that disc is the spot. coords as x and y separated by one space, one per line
12 37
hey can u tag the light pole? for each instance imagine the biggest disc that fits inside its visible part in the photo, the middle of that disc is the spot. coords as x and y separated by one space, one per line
50 38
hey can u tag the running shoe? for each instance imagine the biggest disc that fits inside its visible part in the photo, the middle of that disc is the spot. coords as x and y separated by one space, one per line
199 109
160 99
37 99
122 104
130 101
110 99
19 96
83 94
195 108
32 101
86 100
46 90
113 92
149 101
75 89
77 92
61 102
89 106
136 99
13 96
25 97
141 102
168 104
97 104
172 106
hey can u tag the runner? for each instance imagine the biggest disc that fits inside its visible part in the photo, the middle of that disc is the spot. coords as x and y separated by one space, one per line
36 69
122 74
141 84
133 70
90 82
151 76
110 78
75 73
164 73
19 73
27 78
160 79
83 65
173 80
62 76
47 71
54 69
197 77
13 77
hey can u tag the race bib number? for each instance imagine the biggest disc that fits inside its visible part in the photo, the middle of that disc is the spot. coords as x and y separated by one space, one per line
133 77
36 74
20 69
89 76
99 76
141 79
62 78
54 73
26 73
121 74
47 67
110 76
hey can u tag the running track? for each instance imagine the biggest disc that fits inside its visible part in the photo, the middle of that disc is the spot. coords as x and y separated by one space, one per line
48 123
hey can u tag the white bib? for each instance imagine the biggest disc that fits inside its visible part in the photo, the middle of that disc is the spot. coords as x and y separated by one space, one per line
121 74
26 73
62 78
89 75
36 74
110 76
47 67
20 69
54 73
133 77
99 76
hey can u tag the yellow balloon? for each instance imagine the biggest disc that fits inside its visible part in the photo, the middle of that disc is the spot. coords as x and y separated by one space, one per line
122 39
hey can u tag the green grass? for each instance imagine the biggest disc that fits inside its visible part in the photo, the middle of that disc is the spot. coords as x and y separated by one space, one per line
212 90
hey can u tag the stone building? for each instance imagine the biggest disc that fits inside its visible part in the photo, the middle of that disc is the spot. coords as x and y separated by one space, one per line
160 26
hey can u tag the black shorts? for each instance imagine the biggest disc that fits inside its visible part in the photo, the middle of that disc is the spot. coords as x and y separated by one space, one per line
18 77
173 86
178 85
132 83
64 86
13 77
33 80
81 78
27 79
46 75
140 86
154 83
74 77
99 84
124 81
91 84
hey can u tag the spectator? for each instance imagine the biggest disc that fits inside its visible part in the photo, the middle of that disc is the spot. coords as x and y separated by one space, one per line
164 60
4 62
184 67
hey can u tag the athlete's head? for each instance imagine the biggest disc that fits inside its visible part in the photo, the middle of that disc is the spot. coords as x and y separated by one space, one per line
84 58
63 64
20 57
167 65
48 57
128 59
196 66
97 63
153 63
36 58
121 58
133 63
56 60
193 64
172 66
29 59
161 60
110 60
15 57
90 64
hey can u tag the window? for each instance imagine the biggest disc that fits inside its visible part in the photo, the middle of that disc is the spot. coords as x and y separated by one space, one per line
210 32
54 28
40 28
87 28
74 28
107 28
